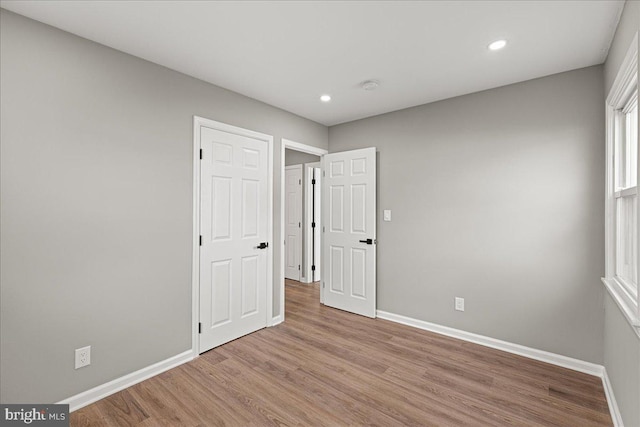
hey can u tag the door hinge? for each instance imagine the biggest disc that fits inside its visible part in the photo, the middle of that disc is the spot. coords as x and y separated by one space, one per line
313 225
298 268
299 182
313 182
201 154
323 229
313 268
299 225
199 328
322 173
200 240
323 284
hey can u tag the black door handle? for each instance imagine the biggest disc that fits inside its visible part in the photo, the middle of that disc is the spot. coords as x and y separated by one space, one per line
368 241
263 245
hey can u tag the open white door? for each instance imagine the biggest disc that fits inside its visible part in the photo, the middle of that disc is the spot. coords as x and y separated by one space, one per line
349 224
234 228
293 221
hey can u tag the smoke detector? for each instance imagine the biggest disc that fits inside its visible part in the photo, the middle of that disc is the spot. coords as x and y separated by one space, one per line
370 85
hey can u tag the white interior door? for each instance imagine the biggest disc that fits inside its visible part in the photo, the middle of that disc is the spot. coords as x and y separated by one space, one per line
234 224
293 221
349 237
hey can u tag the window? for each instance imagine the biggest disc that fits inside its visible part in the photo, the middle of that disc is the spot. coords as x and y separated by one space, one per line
621 276
625 194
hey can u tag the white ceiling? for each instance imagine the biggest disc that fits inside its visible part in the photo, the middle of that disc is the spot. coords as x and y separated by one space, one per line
288 53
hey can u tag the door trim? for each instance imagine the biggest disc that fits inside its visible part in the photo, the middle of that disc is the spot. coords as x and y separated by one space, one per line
309 149
308 209
199 122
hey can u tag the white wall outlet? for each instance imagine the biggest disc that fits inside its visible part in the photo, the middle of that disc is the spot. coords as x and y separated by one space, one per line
83 356
459 304
386 215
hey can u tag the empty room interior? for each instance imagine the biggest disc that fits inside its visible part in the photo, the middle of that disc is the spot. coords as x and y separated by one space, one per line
324 213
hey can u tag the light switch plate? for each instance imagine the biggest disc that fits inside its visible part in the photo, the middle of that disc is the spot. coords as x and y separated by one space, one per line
386 215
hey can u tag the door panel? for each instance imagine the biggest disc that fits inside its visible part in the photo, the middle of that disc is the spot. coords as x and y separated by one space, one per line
293 221
349 238
221 292
336 206
250 205
233 222
250 283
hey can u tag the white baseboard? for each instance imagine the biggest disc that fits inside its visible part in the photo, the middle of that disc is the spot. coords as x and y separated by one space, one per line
100 392
616 416
532 353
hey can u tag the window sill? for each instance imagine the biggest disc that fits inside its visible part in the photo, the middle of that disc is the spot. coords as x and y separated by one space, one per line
625 302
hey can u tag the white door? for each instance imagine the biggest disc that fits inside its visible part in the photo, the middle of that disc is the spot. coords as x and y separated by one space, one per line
349 224
293 221
234 224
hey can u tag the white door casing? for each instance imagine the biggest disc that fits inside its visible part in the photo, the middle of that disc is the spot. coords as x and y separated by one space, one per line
293 222
307 231
311 238
235 218
317 208
349 237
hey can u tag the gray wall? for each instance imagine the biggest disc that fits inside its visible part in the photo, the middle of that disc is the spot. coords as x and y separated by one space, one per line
627 28
96 206
496 197
622 360
621 344
293 157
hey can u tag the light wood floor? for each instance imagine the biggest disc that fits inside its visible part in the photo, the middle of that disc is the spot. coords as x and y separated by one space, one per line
326 367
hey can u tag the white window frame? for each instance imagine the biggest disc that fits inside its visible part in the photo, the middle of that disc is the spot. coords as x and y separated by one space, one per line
622 94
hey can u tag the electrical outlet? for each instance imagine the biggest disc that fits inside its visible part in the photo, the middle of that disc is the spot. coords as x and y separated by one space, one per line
459 305
83 356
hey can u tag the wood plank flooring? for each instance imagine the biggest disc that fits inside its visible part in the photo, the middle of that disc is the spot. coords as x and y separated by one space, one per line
326 367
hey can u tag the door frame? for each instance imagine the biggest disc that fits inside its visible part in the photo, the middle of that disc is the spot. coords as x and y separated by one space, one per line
308 209
309 149
199 122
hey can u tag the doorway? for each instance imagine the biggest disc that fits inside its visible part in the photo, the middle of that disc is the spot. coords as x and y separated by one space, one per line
295 155
302 216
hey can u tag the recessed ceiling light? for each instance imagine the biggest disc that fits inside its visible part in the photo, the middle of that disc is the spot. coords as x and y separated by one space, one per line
325 98
497 45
